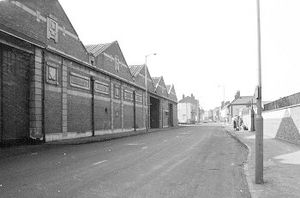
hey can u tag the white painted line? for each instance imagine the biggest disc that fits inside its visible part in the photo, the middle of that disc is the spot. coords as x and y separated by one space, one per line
97 163
185 133
134 144
165 140
144 147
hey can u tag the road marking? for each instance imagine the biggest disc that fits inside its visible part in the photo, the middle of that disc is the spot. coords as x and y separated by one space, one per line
185 133
144 147
165 140
134 144
97 163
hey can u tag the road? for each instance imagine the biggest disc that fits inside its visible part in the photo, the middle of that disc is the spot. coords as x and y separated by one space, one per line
196 161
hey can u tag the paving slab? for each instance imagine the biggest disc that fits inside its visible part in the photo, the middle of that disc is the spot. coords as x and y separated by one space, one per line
281 166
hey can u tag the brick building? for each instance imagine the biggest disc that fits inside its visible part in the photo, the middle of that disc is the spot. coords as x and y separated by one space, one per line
53 87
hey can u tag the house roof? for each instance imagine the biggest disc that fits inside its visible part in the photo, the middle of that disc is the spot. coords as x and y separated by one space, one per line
156 81
135 69
242 100
188 99
97 49
169 88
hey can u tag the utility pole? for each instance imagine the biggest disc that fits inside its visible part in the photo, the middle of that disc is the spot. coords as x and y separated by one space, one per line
259 158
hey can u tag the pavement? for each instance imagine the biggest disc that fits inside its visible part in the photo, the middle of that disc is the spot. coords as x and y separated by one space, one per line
196 161
15 150
281 166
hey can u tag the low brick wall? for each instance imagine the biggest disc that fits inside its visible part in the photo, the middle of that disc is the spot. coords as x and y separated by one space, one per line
283 124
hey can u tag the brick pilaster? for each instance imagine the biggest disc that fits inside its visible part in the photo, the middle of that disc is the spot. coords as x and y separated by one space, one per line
122 107
111 106
161 121
64 98
35 104
143 108
148 110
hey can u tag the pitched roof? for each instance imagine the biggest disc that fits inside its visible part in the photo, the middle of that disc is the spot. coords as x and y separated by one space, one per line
97 48
243 100
28 19
169 88
188 99
135 69
156 81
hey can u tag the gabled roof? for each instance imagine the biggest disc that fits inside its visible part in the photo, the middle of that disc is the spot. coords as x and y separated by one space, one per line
188 99
28 19
97 48
156 81
169 88
243 100
135 69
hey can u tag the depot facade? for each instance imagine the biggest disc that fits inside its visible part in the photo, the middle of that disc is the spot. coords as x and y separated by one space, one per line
53 87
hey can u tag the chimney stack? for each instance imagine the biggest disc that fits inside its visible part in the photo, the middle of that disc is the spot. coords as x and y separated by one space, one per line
183 96
237 95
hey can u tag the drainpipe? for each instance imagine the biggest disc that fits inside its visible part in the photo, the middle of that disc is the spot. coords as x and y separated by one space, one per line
162 114
1 69
43 95
93 104
134 111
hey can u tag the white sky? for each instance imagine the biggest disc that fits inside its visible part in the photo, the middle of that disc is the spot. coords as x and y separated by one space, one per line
202 46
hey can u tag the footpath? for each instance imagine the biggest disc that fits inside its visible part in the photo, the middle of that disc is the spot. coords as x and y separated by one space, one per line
11 151
281 166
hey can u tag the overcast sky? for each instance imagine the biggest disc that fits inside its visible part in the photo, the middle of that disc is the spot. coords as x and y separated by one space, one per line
204 47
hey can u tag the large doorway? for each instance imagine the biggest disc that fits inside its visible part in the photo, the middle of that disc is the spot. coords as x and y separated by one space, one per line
14 78
154 112
170 121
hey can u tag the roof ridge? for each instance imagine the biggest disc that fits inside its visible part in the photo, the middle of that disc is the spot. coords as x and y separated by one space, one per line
97 49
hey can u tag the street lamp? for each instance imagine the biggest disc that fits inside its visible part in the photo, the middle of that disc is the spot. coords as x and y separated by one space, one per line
146 88
259 119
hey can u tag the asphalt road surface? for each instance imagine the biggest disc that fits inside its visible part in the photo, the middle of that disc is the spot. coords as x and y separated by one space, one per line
196 161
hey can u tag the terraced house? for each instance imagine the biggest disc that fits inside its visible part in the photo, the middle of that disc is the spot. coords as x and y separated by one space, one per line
53 87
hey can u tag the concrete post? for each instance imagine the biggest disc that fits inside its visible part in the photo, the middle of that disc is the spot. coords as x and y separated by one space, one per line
259 158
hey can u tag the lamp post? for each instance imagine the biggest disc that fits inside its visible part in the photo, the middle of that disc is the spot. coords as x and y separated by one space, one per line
146 88
259 118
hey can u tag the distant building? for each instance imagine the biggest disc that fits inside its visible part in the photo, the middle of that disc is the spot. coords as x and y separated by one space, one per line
188 110
224 111
201 114
216 114
239 103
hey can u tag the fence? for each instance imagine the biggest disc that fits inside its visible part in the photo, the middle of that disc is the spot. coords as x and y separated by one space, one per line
283 102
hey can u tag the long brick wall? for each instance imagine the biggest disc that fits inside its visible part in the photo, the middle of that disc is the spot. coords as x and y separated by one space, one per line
69 97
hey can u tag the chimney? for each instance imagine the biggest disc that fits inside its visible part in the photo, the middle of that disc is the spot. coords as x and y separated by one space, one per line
237 95
192 96
183 96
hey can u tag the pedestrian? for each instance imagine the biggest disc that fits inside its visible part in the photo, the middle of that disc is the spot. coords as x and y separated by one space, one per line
234 123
